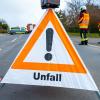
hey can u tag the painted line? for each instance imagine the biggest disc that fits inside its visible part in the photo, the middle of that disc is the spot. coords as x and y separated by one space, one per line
14 40
88 45
1 35
94 46
0 49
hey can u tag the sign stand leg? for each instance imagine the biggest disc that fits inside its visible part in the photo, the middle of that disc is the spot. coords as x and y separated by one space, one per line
98 94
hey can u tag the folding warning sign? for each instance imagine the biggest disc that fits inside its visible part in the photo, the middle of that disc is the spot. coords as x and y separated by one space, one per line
49 58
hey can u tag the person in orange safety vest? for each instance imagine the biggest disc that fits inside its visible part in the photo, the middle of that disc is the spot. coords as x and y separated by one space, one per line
99 26
83 22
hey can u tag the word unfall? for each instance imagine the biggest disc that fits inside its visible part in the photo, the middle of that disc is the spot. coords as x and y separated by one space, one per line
47 77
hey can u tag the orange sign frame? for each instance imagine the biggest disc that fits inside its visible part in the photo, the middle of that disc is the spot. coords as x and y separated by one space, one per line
77 67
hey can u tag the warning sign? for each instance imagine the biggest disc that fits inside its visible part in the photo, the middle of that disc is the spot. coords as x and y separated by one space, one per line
49 58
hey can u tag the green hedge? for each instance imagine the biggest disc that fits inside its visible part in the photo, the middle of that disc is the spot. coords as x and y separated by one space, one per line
3 31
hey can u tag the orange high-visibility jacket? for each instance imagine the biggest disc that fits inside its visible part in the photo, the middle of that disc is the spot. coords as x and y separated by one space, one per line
99 26
84 20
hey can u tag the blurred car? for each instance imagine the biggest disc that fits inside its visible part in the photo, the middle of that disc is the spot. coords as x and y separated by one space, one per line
17 30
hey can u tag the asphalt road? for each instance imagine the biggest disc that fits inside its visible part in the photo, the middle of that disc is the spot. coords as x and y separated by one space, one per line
10 46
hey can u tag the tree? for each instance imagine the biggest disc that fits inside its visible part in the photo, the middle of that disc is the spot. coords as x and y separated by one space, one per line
94 17
3 26
62 16
73 10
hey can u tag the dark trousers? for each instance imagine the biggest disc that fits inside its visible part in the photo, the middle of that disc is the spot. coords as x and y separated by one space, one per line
83 35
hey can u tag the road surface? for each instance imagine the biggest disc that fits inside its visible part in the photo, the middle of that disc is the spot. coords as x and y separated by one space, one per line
10 46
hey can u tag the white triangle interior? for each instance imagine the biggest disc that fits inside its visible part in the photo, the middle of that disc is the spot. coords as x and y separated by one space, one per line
59 52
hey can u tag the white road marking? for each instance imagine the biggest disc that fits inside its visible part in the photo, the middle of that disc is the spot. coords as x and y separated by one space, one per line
0 49
94 46
89 45
14 40
1 34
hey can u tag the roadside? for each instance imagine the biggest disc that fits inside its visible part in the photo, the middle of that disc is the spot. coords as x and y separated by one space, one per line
92 41
91 35
94 38
76 39
3 34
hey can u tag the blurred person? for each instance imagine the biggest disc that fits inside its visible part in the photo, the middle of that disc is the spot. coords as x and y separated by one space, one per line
83 22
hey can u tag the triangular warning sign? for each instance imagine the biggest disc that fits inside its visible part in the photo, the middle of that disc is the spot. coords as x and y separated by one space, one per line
49 58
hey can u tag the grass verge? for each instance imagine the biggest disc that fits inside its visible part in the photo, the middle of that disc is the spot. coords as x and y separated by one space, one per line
92 35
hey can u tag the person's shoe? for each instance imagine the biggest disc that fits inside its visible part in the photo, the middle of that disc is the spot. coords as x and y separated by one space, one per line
86 42
82 43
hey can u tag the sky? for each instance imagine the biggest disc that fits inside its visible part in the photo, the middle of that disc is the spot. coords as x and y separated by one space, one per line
22 12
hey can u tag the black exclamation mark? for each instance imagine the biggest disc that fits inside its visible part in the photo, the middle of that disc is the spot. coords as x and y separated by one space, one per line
49 40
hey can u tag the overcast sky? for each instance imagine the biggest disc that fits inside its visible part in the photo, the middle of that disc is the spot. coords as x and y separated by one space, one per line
21 12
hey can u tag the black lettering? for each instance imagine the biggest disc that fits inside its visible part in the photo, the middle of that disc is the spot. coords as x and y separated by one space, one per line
43 77
52 78
36 76
59 77
47 77
56 77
